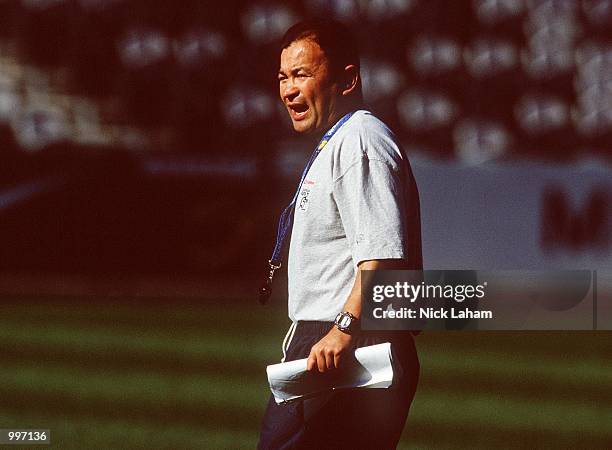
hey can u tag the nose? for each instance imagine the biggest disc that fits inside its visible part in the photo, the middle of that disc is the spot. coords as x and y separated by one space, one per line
289 91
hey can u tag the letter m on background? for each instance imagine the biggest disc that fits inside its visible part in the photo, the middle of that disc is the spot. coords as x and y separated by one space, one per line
585 228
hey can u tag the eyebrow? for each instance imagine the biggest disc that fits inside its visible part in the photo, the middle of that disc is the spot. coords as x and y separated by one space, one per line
294 70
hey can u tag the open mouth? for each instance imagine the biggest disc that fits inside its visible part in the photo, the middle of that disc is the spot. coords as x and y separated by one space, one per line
297 110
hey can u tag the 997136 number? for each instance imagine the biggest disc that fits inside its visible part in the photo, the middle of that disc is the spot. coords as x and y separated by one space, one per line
12 436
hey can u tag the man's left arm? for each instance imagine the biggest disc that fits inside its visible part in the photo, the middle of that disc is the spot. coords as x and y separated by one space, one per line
330 350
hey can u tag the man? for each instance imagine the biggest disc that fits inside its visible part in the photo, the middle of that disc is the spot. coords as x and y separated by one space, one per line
357 209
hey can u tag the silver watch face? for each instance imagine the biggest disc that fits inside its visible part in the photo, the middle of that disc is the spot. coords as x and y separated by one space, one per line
344 321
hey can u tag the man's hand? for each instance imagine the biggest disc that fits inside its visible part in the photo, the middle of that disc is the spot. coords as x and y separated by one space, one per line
328 352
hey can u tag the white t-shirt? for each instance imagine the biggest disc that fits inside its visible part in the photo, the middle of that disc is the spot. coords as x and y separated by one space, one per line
358 202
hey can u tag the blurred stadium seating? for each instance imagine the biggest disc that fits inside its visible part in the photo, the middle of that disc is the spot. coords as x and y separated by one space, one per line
532 75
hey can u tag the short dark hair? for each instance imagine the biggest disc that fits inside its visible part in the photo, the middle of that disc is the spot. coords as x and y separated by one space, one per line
333 37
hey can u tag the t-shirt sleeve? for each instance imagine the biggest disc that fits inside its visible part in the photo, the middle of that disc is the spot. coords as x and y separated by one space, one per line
370 200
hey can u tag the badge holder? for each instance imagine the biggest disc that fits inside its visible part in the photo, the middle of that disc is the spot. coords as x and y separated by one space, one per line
266 288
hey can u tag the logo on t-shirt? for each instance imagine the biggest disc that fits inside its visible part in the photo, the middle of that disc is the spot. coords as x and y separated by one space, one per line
303 199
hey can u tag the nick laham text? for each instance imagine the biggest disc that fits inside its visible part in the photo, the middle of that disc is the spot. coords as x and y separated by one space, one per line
431 313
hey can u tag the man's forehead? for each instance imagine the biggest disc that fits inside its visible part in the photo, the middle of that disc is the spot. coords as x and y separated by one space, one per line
302 52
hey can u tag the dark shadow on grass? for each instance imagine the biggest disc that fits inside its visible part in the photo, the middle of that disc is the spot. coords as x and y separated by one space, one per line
115 360
53 404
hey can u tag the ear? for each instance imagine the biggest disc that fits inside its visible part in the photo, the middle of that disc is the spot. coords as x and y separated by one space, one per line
350 80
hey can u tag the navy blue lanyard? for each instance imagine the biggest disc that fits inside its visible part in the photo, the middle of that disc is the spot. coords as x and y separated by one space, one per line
286 218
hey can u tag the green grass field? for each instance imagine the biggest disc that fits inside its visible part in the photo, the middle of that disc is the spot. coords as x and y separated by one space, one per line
131 374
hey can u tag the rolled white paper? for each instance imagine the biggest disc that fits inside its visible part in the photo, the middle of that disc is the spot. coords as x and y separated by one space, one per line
371 367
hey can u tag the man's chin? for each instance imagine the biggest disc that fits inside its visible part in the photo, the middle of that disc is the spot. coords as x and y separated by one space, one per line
303 128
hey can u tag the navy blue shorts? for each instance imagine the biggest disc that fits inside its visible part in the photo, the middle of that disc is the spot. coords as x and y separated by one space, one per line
352 419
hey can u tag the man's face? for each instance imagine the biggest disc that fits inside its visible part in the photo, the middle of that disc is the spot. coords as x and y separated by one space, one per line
307 87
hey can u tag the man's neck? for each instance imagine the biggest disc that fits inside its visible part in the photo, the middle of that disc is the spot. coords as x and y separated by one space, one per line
340 113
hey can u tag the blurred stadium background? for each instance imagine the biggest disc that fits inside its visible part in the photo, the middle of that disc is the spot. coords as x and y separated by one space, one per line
144 158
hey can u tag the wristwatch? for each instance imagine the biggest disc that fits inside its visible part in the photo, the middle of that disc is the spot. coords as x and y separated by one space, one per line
346 322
